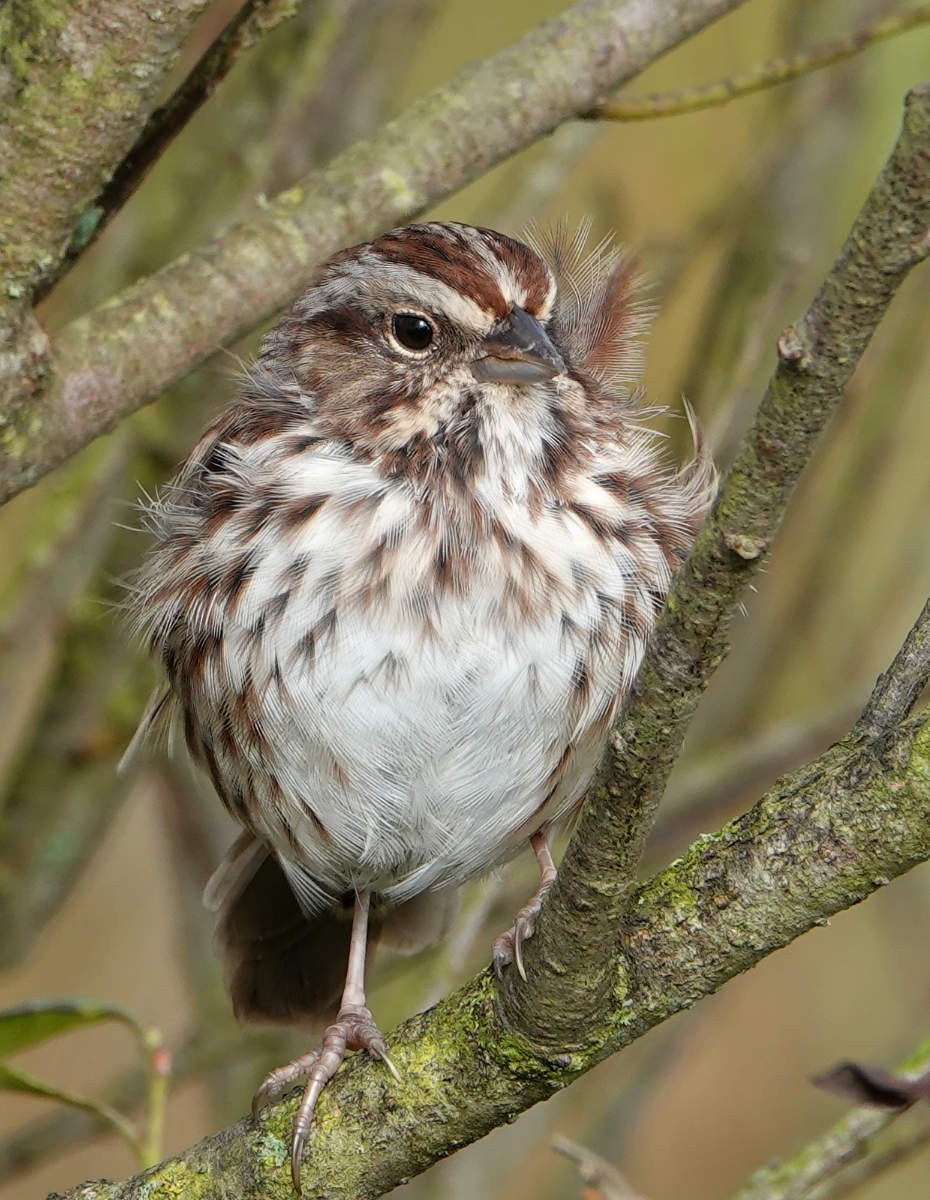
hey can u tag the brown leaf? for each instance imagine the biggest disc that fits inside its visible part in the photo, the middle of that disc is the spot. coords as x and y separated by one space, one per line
873 1085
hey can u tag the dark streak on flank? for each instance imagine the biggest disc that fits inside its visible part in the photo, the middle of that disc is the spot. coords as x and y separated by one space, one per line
237 575
295 513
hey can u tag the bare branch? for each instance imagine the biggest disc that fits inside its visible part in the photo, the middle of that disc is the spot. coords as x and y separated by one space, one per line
875 1163
253 20
765 75
77 88
596 1172
899 688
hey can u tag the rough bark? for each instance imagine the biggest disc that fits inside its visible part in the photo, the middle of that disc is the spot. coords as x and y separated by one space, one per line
79 80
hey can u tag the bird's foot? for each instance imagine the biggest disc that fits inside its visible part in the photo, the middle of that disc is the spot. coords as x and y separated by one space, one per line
508 947
353 1029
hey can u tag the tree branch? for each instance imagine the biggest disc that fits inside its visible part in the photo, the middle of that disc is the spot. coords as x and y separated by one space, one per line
113 360
821 840
764 75
827 1159
79 81
570 976
899 688
253 20
876 1163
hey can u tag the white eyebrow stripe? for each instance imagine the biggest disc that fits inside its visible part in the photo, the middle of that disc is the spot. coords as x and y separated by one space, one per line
370 276
510 286
506 280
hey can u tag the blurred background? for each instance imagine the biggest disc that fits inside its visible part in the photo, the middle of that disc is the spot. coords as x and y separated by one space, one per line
735 215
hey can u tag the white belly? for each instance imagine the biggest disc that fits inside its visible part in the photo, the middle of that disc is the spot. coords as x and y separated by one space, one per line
410 735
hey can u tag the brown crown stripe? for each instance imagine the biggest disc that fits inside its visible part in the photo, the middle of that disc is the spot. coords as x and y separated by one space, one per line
432 258
455 265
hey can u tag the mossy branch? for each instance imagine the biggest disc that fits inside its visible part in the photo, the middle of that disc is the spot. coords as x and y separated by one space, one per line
822 839
77 82
570 976
80 81
253 20
109 362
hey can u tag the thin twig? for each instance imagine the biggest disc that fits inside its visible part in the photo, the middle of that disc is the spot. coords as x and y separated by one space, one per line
765 75
822 1160
596 1172
900 686
63 1130
158 1075
874 1165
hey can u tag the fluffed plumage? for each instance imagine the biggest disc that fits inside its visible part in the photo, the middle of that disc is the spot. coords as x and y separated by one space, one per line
401 585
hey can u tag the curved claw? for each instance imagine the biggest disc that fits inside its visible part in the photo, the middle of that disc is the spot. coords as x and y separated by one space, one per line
390 1066
353 1029
518 935
508 947
297 1154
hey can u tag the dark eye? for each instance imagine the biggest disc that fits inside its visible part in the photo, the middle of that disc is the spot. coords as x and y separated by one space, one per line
412 331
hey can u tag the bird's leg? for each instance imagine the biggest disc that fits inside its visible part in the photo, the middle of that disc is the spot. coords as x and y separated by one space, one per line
353 1029
508 947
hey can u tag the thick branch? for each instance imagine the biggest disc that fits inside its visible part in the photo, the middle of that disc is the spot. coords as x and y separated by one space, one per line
77 82
115 359
821 840
569 975
253 20
81 79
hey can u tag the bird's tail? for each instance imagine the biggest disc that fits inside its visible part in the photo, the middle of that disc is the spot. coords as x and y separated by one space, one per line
284 965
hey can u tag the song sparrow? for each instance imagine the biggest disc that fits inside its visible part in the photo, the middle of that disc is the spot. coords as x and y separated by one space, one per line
398 589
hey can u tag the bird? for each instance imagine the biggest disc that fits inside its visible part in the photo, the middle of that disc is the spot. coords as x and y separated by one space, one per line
398 591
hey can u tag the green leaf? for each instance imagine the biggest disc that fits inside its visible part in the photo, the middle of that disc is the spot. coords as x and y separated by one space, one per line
29 1024
12 1079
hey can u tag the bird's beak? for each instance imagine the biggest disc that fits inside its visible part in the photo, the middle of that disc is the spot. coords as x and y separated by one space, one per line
518 351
